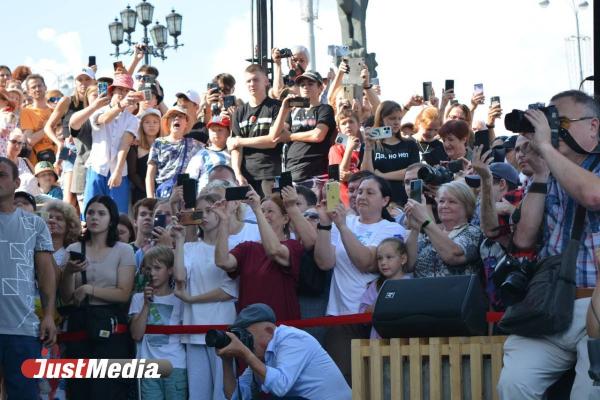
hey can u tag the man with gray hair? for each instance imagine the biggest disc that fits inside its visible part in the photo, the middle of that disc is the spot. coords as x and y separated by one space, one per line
571 178
297 63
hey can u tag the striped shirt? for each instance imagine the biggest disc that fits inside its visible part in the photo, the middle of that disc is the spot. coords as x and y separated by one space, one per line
559 215
203 162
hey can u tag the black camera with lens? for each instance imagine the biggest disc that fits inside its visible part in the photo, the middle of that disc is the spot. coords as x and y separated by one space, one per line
285 53
515 121
437 175
219 340
511 276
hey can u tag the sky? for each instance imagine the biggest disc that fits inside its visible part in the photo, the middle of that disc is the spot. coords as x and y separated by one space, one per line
514 47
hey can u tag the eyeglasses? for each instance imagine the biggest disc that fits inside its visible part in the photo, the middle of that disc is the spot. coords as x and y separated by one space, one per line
54 99
16 142
139 77
565 122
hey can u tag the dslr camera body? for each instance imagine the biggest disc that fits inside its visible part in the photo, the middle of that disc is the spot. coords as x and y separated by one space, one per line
511 276
439 175
515 121
219 340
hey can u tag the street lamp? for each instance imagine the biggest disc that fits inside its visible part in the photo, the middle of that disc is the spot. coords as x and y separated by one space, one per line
143 14
581 6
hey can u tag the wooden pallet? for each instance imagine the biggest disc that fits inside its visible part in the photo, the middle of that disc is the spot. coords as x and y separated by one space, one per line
408 358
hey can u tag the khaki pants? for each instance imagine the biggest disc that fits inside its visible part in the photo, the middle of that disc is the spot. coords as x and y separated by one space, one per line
531 365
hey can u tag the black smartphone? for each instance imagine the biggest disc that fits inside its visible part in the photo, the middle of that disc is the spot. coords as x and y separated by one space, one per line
191 217
212 86
495 100
190 187
228 101
76 256
285 179
160 220
118 65
236 193
302 102
499 154
333 171
91 61
455 166
64 153
427 90
416 190
482 138
181 178
449 85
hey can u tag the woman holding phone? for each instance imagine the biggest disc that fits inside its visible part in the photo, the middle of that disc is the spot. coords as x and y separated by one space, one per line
97 281
389 157
272 263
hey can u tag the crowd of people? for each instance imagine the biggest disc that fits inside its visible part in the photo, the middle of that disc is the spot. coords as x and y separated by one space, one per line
121 209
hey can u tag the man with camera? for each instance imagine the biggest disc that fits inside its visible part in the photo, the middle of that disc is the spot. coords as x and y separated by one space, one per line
532 364
283 361
298 63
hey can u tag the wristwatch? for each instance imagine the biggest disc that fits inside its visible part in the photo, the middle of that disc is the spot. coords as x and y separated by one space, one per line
323 227
424 225
538 187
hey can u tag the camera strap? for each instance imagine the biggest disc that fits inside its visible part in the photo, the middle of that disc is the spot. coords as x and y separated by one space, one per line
565 135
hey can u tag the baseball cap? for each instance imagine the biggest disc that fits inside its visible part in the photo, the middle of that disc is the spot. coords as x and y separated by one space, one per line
85 71
149 111
252 314
27 197
312 75
217 120
191 95
499 170
509 144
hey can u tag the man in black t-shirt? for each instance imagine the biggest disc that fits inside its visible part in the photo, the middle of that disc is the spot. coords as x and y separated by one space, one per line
255 153
309 133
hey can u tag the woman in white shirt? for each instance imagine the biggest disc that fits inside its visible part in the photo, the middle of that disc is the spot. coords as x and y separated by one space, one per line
350 249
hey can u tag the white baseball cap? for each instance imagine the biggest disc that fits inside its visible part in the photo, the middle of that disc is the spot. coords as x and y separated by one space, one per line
191 95
85 71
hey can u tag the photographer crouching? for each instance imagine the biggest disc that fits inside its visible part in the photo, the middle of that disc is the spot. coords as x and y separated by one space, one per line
283 361
567 139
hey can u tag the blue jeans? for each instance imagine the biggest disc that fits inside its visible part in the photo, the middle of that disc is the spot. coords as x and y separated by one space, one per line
173 387
96 184
14 349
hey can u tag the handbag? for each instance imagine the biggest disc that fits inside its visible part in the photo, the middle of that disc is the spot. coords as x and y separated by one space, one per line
164 190
423 307
100 321
548 304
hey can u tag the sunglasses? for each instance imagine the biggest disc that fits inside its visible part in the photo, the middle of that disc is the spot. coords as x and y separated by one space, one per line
16 142
565 122
311 215
54 99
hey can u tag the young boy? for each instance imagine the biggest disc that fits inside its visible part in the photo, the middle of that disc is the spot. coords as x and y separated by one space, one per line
47 178
157 305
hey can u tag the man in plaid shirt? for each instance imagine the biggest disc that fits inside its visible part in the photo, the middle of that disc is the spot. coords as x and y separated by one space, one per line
531 365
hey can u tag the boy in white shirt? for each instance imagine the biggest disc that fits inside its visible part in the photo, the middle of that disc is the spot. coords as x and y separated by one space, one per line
157 305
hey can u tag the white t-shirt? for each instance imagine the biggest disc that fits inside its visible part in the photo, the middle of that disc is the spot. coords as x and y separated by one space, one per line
204 276
348 283
106 140
164 310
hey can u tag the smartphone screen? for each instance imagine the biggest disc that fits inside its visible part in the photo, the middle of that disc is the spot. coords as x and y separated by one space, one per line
449 84
228 101
91 61
332 190
333 171
76 256
302 102
181 178
416 190
495 100
427 90
482 138
285 179
102 89
189 192
236 193
160 220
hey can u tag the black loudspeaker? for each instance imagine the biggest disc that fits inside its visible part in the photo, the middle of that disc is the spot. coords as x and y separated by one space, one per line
431 307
